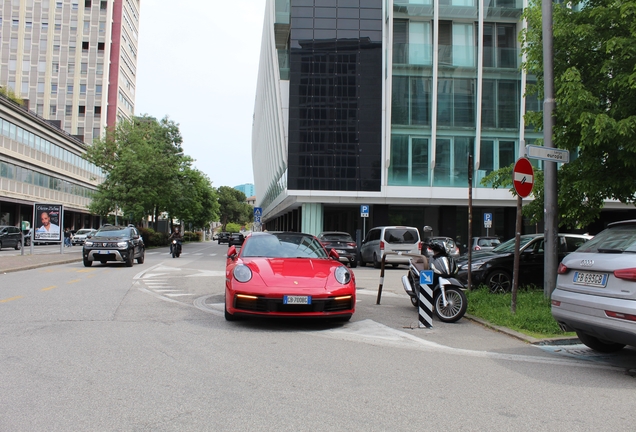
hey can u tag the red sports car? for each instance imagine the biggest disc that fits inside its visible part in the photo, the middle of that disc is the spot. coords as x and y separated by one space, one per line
286 274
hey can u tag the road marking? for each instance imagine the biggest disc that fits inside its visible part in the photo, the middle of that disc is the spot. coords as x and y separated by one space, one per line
10 299
74 281
178 295
208 273
373 333
49 288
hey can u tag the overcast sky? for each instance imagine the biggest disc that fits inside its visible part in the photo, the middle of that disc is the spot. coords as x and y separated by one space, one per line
198 64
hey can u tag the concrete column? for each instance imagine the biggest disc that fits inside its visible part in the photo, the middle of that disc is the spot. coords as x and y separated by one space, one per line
312 218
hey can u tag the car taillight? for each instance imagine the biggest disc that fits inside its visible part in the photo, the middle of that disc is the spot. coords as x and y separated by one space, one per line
556 303
419 246
351 244
381 245
562 269
620 315
627 274
477 248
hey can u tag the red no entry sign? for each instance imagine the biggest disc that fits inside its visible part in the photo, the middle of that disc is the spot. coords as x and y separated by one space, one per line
523 177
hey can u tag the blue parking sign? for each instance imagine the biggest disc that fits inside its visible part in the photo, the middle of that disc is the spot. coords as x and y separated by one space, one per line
364 210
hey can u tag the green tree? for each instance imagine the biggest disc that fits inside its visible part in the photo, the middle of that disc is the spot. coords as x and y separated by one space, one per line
595 114
197 202
233 207
143 161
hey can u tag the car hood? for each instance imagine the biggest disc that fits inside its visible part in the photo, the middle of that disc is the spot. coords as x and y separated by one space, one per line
482 256
294 272
109 239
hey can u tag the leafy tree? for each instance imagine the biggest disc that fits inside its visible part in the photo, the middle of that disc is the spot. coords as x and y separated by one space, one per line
595 114
197 200
233 207
143 161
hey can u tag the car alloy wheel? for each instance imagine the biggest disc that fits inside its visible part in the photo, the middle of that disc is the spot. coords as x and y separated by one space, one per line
499 282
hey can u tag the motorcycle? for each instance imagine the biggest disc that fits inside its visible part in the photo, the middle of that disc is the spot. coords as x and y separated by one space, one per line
449 300
176 248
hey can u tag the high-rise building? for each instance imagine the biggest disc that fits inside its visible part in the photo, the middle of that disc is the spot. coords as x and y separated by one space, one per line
377 104
247 189
73 61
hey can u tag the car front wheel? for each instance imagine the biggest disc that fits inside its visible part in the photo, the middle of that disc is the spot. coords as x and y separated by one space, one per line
18 245
499 282
131 258
87 263
142 257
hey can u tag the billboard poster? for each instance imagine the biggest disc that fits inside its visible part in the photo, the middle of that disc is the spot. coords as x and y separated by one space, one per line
48 218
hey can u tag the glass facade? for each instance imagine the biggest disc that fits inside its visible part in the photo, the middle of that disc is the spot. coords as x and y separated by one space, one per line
476 112
335 73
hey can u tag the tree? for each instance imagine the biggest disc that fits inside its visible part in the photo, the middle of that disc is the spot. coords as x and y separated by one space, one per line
197 200
595 114
143 160
233 207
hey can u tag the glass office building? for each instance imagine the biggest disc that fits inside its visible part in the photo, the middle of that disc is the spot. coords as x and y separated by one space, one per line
380 103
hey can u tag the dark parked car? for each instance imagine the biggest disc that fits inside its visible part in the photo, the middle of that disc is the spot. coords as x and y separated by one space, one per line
485 243
224 237
494 268
236 239
595 289
10 236
343 243
114 243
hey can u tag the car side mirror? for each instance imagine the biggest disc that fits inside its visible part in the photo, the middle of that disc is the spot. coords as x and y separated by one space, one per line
231 252
334 255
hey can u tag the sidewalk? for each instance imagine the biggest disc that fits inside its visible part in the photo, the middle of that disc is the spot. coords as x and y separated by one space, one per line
13 263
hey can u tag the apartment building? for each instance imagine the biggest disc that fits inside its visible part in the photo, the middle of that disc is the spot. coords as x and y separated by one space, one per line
73 61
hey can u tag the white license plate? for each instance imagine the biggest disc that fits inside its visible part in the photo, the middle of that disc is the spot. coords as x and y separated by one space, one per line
340 251
590 279
297 299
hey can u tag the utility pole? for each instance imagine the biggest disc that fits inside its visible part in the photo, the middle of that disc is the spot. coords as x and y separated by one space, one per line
550 169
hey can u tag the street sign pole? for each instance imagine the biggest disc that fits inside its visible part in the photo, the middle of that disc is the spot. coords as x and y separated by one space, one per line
523 181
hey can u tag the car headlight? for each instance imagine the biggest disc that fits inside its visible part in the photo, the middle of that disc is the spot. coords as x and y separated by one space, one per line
242 273
476 266
342 275
122 244
88 243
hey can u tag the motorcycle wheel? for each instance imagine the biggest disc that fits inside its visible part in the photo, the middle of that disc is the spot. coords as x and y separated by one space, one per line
414 300
456 308
174 254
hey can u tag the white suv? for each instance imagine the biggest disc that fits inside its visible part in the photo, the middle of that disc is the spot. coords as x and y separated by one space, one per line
379 240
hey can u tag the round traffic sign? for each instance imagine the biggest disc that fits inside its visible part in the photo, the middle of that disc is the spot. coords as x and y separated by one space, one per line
523 177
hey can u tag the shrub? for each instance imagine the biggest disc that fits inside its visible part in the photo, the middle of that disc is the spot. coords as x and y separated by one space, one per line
192 236
153 238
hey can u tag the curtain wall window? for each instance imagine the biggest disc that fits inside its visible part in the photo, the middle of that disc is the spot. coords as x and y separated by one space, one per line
420 43
409 161
421 101
463 45
507 104
400 101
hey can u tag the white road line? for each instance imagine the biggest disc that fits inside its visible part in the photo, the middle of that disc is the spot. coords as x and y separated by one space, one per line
371 332
178 295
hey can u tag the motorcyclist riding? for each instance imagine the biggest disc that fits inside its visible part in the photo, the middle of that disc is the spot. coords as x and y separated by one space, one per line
176 235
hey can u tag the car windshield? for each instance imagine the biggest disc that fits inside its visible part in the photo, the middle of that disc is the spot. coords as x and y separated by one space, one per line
488 242
283 245
83 231
616 239
112 233
509 246
336 237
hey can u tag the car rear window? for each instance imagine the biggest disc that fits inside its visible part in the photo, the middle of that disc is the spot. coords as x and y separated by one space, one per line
488 242
617 239
337 237
401 235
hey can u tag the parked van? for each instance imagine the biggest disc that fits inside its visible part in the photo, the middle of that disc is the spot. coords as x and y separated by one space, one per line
389 239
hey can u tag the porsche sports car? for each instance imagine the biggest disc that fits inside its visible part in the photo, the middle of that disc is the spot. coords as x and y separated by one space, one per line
287 274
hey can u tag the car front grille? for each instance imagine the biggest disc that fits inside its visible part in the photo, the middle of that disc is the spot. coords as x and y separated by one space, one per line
264 304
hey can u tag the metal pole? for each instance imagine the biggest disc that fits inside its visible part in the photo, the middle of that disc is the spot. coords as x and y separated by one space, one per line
470 219
550 180
515 266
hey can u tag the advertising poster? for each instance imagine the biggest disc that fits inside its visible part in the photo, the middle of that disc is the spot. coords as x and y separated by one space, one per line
48 218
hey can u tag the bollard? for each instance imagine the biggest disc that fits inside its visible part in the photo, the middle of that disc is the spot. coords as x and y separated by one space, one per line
425 297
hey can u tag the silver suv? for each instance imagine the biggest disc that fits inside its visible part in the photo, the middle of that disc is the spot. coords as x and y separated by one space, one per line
379 240
595 294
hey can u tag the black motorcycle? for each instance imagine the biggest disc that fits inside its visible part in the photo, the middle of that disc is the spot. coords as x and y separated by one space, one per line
176 248
449 300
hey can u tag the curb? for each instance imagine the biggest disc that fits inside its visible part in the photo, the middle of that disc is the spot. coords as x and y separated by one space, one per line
524 337
44 264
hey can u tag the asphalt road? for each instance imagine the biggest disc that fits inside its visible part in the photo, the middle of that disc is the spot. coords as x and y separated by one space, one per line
147 349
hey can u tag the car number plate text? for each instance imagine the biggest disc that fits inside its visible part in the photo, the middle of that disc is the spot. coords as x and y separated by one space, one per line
288 299
590 279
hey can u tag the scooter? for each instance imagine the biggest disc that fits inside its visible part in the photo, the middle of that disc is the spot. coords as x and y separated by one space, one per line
449 300
176 248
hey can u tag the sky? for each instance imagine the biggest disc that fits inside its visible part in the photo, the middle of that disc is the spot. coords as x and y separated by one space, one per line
197 64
